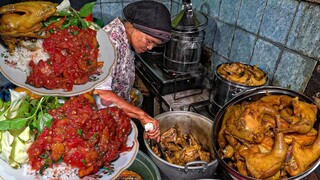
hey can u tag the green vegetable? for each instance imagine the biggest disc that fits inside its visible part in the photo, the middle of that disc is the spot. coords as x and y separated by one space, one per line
13 148
73 17
17 123
19 117
86 10
16 100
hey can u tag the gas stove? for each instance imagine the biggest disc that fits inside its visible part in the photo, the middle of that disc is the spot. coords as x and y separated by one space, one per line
150 69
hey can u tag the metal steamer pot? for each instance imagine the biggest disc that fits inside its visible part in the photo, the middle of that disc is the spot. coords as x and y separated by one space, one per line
183 52
253 95
224 90
192 123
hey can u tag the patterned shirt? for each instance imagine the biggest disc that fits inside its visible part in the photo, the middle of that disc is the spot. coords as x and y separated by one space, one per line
121 78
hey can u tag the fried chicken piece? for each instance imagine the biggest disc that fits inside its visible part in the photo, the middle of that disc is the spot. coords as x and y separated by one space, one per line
287 115
307 114
302 139
127 174
263 165
21 20
170 135
232 111
301 157
281 101
248 126
243 74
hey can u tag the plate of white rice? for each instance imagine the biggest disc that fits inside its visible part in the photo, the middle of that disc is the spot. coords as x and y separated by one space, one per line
16 69
65 172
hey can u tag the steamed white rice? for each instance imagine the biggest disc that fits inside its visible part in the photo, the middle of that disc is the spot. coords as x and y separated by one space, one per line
22 56
58 171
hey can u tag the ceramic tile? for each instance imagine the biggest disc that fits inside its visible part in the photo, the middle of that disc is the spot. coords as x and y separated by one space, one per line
250 14
96 12
175 9
293 71
229 11
265 56
277 19
305 34
313 87
124 4
223 39
196 4
216 59
208 7
167 4
210 32
204 7
242 46
111 11
214 6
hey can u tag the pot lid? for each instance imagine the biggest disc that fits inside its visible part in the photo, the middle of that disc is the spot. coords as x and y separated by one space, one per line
189 19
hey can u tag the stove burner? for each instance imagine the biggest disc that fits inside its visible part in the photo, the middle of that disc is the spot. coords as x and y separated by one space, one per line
164 81
158 60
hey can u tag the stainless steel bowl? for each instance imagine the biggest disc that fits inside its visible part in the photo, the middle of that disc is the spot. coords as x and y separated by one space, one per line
191 123
252 95
224 90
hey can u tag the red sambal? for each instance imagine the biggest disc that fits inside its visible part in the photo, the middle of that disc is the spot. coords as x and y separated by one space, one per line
73 59
82 137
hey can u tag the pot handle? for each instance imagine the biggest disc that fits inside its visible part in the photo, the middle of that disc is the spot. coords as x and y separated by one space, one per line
202 164
191 45
178 106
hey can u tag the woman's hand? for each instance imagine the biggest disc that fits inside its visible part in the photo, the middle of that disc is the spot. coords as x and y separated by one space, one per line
109 97
154 132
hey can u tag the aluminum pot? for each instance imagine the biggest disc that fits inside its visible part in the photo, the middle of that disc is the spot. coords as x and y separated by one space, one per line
192 123
253 95
183 52
223 90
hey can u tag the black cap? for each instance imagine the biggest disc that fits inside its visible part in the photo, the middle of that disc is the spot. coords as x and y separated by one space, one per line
150 17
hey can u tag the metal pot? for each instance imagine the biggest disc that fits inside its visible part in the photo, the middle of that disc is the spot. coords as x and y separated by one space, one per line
197 125
224 90
182 53
252 95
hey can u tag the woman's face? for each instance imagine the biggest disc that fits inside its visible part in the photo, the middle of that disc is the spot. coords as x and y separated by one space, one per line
142 42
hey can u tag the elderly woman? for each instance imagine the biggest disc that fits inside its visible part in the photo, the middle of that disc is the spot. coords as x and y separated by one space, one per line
146 24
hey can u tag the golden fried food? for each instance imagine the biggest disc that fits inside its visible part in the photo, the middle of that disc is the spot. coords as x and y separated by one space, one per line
305 114
249 125
127 174
270 138
243 74
302 156
302 139
263 165
23 19
180 148
134 97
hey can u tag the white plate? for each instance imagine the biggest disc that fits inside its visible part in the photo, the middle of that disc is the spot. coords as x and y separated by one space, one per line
122 163
106 54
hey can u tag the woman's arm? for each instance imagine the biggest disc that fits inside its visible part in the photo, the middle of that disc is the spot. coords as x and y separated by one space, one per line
109 97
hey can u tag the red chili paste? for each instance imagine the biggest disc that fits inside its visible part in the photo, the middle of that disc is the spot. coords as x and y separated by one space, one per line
82 137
